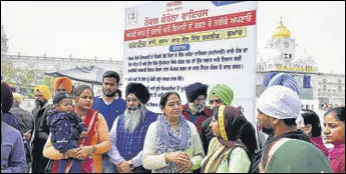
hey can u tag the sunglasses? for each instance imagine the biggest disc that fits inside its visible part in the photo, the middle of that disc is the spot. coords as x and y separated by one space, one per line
60 90
38 95
218 101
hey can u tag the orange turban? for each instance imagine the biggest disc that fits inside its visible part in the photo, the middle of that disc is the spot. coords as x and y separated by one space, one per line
66 83
44 90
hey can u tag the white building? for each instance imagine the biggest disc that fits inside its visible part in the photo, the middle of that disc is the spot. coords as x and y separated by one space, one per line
316 88
40 64
4 46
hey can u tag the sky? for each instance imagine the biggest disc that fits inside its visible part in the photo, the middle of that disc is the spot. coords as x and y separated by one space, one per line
89 29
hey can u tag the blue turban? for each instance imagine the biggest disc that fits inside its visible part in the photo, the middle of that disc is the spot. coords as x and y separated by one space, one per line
194 90
284 79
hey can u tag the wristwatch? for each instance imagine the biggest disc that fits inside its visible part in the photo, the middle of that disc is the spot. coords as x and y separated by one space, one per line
131 165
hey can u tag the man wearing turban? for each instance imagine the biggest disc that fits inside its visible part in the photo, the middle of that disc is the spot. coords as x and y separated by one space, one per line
288 81
218 95
42 95
7 102
13 119
129 131
280 79
12 148
195 110
278 108
62 85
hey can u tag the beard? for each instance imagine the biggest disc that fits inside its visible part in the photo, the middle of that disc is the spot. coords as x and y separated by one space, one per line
40 103
268 131
197 108
107 94
133 117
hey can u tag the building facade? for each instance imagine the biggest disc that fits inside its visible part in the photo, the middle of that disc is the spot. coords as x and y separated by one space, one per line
4 39
280 55
19 69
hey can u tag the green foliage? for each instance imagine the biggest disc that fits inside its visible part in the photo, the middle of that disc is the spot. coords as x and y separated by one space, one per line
21 77
48 81
31 95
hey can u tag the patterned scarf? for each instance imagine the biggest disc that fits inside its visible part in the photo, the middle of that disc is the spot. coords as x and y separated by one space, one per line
169 140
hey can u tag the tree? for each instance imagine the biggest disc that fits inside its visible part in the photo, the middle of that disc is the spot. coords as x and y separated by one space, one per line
48 81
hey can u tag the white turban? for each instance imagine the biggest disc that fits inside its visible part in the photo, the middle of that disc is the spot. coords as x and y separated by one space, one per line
280 102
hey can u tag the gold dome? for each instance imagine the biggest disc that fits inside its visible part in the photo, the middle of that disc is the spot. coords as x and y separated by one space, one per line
281 31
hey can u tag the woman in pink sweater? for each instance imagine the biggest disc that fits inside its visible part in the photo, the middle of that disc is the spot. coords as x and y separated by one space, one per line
334 124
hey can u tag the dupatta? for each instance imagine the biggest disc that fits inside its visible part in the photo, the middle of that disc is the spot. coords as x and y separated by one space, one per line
87 164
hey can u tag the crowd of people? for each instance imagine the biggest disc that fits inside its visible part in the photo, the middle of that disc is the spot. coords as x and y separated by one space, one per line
111 133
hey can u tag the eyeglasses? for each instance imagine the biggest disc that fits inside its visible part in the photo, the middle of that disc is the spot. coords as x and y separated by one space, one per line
218 101
200 100
131 99
38 95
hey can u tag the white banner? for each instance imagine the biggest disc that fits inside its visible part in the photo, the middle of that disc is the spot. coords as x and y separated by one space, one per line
169 45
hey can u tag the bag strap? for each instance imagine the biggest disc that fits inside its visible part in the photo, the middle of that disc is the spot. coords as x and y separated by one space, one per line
69 163
231 150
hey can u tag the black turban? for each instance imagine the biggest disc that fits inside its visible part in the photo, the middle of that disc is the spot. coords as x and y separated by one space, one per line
139 90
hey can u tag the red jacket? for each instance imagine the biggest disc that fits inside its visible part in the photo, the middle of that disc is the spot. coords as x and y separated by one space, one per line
202 116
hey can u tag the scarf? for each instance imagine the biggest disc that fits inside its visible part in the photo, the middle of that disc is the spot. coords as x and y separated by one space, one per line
231 124
87 164
336 151
337 158
318 142
172 141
